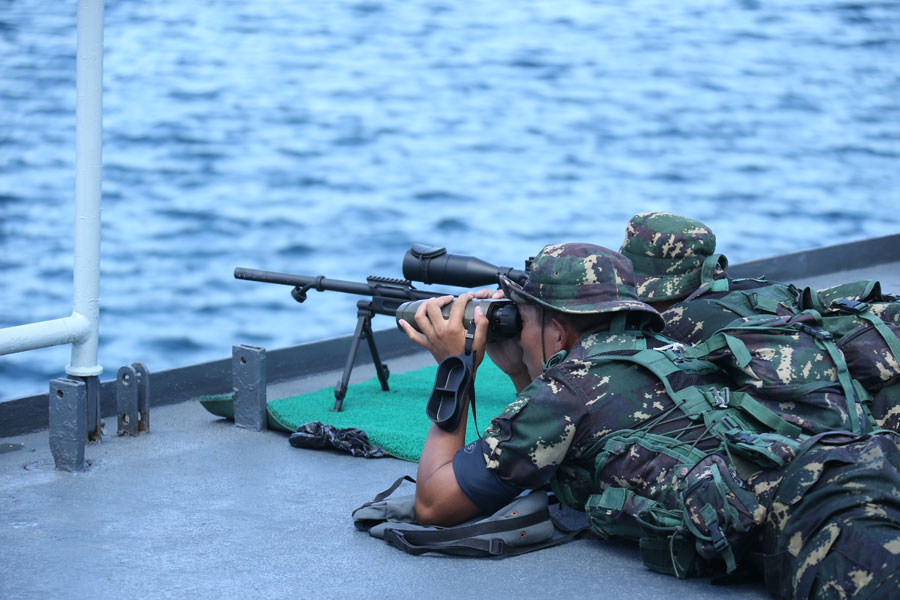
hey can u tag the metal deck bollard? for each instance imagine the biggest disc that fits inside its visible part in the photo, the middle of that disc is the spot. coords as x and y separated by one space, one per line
248 376
68 422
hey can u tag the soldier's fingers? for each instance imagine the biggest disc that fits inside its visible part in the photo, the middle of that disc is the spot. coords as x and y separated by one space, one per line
433 313
422 319
498 294
414 335
480 339
459 308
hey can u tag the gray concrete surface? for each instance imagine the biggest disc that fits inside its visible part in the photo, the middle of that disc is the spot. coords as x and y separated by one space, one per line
201 509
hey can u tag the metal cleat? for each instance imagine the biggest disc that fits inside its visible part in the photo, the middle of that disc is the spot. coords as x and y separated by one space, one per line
133 399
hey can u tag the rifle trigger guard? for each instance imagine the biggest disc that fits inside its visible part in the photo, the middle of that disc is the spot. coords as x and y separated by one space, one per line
299 293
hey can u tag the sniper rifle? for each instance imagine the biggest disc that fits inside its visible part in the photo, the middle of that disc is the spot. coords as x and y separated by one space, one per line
398 298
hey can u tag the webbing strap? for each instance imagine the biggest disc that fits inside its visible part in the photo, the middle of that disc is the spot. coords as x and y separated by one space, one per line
764 303
764 415
618 322
890 338
738 349
707 347
846 382
710 264
689 399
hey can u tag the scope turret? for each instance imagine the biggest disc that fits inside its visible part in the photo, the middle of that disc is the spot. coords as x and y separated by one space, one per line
430 264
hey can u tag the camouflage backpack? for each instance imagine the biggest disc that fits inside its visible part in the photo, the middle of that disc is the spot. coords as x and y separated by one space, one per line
865 323
793 366
686 501
711 307
857 319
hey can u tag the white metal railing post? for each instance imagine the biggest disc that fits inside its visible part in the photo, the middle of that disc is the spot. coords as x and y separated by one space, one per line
89 142
81 328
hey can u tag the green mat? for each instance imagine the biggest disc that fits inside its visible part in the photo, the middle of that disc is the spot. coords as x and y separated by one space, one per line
394 420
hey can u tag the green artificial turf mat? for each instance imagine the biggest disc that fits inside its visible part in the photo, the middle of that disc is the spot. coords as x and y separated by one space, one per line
394 420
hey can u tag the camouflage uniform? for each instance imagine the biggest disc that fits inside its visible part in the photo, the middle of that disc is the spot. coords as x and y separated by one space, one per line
571 428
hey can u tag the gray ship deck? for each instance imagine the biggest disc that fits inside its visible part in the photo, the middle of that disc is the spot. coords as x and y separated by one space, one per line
199 508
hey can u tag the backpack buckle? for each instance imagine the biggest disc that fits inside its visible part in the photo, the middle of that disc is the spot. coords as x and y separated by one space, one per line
848 305
677 348
720 542
720 400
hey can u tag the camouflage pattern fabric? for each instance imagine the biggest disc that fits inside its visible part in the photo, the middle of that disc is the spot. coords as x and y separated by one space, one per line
555 421
791 365
672 255
577 426
696 320
885 408
833 527
847 311
873 355
580 279
654 446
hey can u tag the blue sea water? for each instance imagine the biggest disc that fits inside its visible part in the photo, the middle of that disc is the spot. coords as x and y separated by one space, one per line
328 137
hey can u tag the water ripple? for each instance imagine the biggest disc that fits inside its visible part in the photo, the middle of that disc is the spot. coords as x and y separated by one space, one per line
266 135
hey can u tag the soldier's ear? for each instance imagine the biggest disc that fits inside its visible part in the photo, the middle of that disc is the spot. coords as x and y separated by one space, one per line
562 334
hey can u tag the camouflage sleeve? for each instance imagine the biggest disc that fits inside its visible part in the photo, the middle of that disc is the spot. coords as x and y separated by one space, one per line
532 436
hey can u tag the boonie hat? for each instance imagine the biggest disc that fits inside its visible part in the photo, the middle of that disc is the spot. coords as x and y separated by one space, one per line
580 278
672 255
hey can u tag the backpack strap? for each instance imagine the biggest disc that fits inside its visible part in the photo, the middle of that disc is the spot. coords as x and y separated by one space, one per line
694 401
889 337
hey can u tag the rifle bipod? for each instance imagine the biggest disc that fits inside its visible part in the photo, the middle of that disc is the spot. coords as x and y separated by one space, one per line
364 316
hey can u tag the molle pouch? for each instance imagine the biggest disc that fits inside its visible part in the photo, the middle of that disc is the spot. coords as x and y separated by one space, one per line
765 450
872 352
699 316
719 511
773 352
825 409
848 306
617 512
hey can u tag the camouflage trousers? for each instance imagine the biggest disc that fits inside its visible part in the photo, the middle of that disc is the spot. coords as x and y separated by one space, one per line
833 524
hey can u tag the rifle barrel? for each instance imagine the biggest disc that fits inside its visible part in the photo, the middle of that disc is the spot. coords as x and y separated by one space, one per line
399 289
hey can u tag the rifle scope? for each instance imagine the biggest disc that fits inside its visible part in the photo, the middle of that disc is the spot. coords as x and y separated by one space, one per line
430 264
502 315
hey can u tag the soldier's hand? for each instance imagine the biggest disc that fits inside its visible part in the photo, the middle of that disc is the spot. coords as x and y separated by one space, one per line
507 354
446 337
